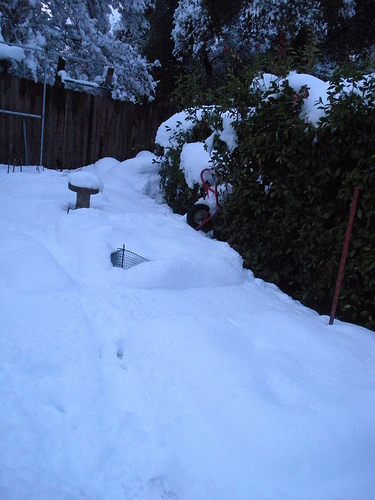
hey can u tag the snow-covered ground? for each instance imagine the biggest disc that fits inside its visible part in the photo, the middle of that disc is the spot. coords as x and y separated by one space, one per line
181 378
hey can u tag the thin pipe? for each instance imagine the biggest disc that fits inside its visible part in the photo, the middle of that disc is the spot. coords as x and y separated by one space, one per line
43 110
19 114
25 140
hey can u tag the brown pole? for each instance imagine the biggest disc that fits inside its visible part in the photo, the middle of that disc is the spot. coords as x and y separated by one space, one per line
344 255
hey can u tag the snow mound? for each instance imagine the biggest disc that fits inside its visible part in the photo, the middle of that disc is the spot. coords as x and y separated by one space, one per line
181 378
31 269
140 173
182 272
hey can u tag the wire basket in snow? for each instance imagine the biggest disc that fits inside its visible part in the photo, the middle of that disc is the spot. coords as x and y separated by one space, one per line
126 259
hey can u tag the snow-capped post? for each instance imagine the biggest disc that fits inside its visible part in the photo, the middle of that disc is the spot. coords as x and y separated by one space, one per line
344 254
107 85
60 67
109 77
84 184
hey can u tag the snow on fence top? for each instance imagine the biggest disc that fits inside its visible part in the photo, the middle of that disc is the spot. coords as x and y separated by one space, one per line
7 52
65 78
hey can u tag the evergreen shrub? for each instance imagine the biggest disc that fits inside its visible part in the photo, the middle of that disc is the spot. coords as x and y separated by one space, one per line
292 188
292 184
177 194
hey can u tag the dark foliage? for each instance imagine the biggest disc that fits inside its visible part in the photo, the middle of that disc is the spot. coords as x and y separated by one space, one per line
179 196
292 188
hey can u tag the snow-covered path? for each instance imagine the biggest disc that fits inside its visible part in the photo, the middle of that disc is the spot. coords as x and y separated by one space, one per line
181 378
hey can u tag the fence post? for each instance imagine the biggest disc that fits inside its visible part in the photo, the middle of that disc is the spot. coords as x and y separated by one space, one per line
107 87
344 255
60 67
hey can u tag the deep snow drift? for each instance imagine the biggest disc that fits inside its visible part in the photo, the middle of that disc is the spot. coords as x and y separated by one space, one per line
181 378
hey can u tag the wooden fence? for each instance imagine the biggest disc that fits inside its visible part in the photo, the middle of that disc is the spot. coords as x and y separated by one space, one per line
80 128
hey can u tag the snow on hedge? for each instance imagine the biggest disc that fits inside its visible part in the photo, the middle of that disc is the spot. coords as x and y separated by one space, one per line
172 130
195 156
8 52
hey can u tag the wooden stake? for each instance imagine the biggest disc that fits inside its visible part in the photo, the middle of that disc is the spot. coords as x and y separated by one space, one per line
123 256
344 255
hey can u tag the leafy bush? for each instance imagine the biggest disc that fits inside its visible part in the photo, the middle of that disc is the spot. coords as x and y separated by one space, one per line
196 125
292 184
347 145
292 188
177 193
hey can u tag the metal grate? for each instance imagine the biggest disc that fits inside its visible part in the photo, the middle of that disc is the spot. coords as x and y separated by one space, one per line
126 259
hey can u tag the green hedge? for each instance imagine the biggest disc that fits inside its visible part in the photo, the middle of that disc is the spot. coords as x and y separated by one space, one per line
179 196
292 188
292 185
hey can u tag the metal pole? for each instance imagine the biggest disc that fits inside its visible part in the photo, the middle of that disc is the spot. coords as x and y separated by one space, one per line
123 256
344 254
25 140
43 110
18 113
